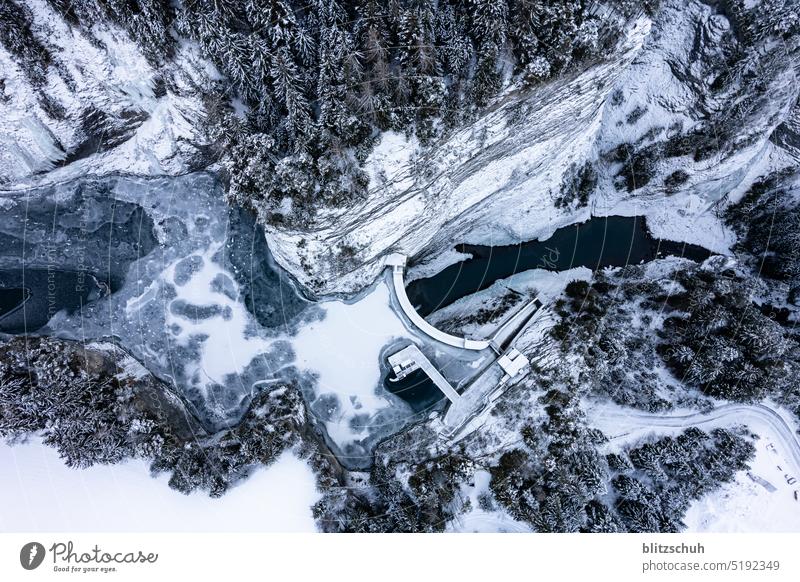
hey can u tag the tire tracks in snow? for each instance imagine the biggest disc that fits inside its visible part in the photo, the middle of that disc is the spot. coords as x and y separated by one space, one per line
618 423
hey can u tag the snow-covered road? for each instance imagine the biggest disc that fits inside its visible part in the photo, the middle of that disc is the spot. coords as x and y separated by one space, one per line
622 424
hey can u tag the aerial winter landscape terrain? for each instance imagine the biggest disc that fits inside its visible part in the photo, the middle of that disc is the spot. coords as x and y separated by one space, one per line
400 265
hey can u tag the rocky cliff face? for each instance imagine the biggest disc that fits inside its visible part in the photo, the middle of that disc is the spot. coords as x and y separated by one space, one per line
513 157
98 106
691 105
675 121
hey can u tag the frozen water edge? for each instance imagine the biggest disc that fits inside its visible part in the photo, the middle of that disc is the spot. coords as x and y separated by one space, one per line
343 349
205 309
180 310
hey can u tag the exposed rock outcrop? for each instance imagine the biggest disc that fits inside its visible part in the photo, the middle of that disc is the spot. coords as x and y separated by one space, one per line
675 120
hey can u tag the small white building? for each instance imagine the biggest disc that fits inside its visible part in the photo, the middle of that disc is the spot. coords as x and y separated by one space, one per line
513 364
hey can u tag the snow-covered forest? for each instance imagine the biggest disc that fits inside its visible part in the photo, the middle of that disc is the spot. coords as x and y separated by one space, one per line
231 175
317 82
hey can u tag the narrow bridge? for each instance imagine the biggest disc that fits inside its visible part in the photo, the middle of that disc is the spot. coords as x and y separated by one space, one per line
411 358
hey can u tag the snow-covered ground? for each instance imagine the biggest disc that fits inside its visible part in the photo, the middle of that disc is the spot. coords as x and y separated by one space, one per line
435 264
42 494
666 91
692 217
480 520
759 500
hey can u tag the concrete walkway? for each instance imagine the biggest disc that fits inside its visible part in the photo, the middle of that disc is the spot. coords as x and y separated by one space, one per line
411 358
398 264
509 329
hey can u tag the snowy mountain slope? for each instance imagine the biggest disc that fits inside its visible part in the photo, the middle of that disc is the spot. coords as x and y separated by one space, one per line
680 115
102 107
514 156
691 120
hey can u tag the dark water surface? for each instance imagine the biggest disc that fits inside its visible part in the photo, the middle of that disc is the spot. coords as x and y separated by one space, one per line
416 389
12 298
45 293
267 291
613 241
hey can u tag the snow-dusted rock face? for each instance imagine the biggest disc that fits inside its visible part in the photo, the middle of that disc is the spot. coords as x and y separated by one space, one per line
692 118
679 116
101 107
513 157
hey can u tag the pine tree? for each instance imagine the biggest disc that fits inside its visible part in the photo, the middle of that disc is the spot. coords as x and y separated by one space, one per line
289 91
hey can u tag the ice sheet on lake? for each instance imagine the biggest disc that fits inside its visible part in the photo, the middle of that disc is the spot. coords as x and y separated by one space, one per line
343 349
185 308
180 310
